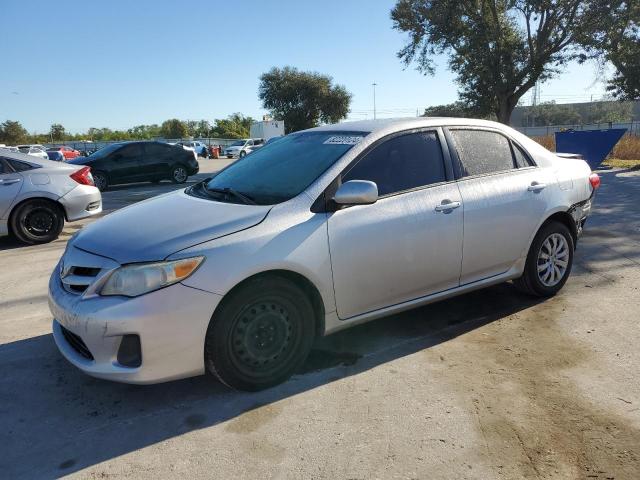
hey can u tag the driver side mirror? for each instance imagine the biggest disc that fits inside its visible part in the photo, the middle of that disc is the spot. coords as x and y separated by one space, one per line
356 192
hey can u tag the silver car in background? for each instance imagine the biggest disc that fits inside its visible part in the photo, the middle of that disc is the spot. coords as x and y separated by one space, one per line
319 231
37 196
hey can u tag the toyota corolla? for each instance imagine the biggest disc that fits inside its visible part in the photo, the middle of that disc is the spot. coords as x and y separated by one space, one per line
319 231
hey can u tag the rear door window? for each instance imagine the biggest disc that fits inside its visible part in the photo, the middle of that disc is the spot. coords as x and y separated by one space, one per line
481 152
4 167
402 163
131 152
19 166
521 158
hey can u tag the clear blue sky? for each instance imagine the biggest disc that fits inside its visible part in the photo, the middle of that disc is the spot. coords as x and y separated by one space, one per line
123 63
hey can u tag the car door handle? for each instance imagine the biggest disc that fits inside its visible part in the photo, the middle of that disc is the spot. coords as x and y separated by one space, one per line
9 181
536 187
447 205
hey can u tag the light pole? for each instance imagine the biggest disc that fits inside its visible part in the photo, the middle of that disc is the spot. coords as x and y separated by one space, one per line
374 84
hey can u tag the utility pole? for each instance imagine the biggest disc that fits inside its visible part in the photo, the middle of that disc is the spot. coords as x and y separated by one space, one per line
374 99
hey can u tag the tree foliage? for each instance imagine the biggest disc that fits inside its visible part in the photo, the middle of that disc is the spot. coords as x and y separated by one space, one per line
499 49
173 128
12 133
56 132
456 109
234 126
303 99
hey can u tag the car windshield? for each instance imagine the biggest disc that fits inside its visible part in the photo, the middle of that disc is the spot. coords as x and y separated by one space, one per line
24 149
103 152
283 169
239 143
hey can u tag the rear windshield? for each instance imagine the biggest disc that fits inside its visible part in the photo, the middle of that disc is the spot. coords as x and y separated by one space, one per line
283 169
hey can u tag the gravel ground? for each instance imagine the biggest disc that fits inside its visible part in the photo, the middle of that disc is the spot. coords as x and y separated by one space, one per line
489 385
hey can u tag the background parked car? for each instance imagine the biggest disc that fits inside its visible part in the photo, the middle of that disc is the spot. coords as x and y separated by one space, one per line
33 150
55 155
131 162
68 152
200 148
37 195
240 148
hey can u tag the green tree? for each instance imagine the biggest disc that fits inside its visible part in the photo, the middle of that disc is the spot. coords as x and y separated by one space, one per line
173 128
498 49
12 133
303 99
234 126
550 113
57 132
605 112
456 109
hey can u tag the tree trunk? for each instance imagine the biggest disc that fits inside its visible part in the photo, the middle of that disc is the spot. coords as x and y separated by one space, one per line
505 109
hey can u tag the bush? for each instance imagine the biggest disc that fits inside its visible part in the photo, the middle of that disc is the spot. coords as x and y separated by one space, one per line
628 148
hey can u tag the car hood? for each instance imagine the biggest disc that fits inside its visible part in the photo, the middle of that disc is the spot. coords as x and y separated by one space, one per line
154 229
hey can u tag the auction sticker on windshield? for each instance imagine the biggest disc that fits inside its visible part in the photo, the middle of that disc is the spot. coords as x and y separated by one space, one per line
343 140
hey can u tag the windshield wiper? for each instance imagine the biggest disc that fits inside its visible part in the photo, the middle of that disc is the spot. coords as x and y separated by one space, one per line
230 192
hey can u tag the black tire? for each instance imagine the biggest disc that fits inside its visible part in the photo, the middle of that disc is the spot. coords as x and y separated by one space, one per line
242 154
260 335
37 221
531 282
205 153
100 180
179 174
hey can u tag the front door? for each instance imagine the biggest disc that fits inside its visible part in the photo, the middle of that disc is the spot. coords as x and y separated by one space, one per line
409 243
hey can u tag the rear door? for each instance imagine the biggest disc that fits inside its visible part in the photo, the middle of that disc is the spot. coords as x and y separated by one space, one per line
157 159
406 245
10 185
125 164
504 198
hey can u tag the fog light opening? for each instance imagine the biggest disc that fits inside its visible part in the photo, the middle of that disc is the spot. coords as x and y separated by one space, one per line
129 352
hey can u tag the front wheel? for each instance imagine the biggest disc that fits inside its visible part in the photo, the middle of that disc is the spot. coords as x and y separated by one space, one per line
37 221
179 174
549 261
260 335
242 154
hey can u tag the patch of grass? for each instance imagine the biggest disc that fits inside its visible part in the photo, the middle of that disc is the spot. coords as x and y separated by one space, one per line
620 163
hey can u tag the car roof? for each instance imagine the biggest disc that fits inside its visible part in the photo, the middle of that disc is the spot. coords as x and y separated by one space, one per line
372 126
36 161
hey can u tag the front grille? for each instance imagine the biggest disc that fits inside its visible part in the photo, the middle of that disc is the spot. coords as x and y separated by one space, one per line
77 279
76 343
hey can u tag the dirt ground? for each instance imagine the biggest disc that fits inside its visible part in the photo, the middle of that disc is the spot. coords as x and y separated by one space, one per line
491 385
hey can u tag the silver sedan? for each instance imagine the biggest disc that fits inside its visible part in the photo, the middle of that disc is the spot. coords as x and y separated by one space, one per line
319 231
37 196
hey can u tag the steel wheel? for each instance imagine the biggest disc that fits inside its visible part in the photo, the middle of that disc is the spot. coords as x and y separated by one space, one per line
179 174
37 221
261 338
553 260
260 334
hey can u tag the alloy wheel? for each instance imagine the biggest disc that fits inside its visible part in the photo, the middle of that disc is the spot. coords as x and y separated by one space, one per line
553 259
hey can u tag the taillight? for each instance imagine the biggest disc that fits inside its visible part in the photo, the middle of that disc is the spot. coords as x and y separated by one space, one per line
594 180
83 176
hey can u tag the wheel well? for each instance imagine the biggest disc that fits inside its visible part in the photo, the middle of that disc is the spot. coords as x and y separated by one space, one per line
43 199
301 281
567 220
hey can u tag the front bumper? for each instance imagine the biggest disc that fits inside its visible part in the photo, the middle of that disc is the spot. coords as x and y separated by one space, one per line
81 202
171 324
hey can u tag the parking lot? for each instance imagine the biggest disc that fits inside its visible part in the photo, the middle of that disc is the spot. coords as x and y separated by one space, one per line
493 384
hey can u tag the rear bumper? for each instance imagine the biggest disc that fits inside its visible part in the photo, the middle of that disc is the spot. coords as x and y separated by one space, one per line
81 202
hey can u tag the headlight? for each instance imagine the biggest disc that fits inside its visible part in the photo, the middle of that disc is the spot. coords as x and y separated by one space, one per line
134 280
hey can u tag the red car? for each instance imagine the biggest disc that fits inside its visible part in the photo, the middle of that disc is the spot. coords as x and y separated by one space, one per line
68 152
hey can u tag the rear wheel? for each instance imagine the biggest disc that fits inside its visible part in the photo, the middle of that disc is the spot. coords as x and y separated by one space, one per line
37 221
242 153
100 181
179 174
549 261
260 335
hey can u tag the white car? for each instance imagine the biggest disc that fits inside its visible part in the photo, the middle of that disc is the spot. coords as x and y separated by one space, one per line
200 148
323 230
34 150
240 148
195 154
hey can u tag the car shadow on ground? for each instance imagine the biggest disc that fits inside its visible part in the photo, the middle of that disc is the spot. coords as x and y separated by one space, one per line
58 421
